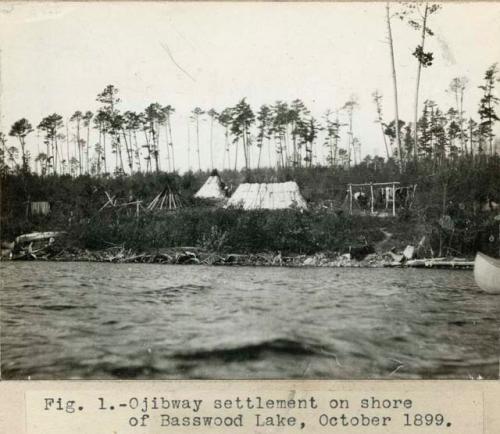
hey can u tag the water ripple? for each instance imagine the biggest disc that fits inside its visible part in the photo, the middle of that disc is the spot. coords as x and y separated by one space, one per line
89 320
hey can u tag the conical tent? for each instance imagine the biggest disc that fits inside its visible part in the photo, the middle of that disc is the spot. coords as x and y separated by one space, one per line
268 196
212 189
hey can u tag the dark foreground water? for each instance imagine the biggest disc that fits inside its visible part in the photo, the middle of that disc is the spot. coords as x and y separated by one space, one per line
95 320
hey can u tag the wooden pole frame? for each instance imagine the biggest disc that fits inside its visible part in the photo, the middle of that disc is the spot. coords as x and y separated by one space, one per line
376 184
394 185
350 199
372 199
394 200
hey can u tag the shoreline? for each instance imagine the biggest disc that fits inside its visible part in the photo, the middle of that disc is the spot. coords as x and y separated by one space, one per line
197 256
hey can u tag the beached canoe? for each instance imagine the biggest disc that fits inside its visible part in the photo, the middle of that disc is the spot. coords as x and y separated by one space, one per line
37 236
487 273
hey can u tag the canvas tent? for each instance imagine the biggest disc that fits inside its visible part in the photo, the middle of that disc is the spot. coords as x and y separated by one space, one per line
268 196
212 189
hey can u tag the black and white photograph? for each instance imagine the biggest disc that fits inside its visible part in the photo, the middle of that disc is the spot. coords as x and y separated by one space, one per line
249 190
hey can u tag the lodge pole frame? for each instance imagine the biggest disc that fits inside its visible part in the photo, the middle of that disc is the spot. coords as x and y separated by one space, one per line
350 199
394 199
372 200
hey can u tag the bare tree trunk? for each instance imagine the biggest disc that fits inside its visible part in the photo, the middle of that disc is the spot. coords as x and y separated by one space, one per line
137 152
116 157
461 120
88 145
23 154
385 142
148 148
128 150
236 155
78 145
155 147
226 151
470 141
379 108
269 151
167 148
104 152
349 144
67 145
245 149
189 146
335 150
211 142
260 153
198 142
228 147
54 154
47 146
331 144
118 142
395 86
282 151
460 103
419 70
98 152
171 142
37 150
490 138
285 141
309 154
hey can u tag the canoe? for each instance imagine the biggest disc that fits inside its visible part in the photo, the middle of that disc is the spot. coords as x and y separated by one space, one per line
487 273
37 236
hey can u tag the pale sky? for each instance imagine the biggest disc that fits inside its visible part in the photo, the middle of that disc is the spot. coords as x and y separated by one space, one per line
56 57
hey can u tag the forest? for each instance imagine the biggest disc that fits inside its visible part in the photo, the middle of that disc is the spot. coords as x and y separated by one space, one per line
284 135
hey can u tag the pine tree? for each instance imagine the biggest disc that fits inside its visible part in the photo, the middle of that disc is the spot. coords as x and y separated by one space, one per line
243 118
264 117
51 125
195 116
21 129
487 105
225 119
213 115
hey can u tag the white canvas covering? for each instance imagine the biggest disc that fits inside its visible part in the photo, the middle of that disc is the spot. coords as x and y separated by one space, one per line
40 208
212 189
268 196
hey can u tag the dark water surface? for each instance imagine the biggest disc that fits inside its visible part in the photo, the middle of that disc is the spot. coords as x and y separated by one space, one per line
95 320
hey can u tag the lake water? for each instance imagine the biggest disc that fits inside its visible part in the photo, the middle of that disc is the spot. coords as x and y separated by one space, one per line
96 320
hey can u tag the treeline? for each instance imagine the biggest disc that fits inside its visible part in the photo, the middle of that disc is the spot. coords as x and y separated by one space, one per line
285 135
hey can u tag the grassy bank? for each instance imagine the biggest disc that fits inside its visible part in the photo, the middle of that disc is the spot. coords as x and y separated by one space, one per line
232 230
446 217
